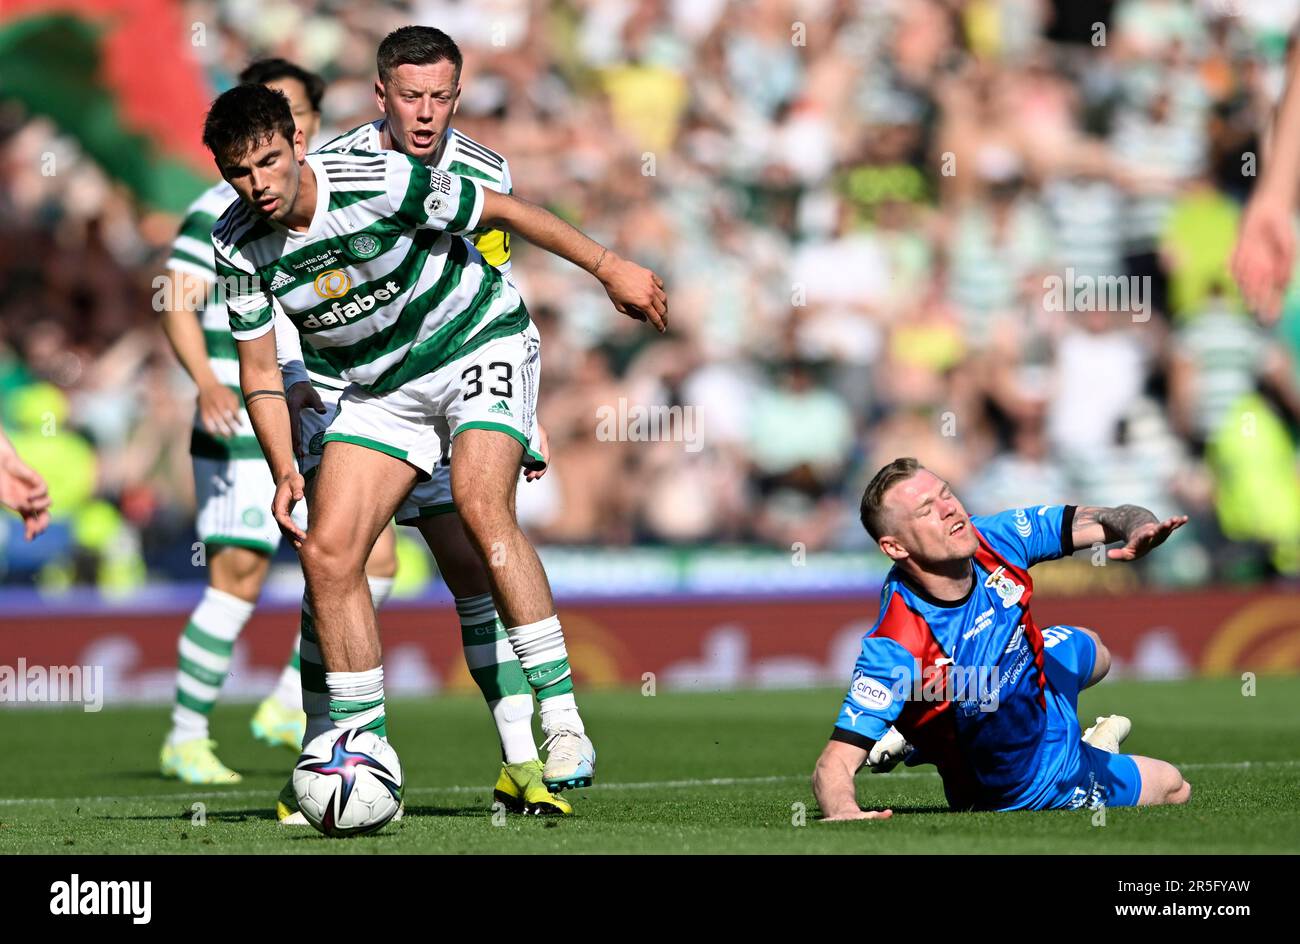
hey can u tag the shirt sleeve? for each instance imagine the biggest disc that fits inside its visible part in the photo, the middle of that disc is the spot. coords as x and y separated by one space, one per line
427 198
247 302
288 350
1030 535
881 684
191 250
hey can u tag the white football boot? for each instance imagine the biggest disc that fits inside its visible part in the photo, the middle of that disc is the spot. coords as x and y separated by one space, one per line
571 761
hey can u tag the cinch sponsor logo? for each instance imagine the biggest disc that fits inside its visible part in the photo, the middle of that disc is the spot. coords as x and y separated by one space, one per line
340 312
76 897
1023 527
870 693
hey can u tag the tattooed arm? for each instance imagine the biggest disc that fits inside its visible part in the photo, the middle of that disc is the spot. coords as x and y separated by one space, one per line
1139 529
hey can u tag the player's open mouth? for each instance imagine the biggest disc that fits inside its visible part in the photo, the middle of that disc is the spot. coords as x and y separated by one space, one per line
957 527
422 138
268 205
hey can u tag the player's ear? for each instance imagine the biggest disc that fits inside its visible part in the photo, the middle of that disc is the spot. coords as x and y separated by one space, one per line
299 145
455 100
893 550
379 94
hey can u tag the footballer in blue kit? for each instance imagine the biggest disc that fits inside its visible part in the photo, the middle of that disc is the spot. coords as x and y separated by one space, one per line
956 673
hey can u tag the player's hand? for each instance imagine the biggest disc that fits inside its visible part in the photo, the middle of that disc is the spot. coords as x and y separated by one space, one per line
1146 537
856 814
544 447
635 291
288 492
1264 255
218 409
301 396
23 490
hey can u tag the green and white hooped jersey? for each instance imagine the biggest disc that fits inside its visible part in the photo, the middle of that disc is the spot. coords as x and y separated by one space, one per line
380 286
461 155
192 254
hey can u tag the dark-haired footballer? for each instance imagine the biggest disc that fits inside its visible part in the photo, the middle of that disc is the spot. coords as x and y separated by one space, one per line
232 484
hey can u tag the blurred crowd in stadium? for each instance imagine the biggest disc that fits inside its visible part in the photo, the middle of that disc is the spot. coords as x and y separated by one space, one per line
858 206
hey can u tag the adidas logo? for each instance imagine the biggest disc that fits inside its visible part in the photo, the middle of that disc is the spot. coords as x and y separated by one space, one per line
281 279
502 407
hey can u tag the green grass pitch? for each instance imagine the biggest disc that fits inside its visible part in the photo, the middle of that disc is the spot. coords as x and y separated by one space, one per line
688 773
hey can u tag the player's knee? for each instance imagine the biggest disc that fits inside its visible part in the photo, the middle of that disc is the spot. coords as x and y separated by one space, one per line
1101 666
239 571
324 562
1101 662
1182 792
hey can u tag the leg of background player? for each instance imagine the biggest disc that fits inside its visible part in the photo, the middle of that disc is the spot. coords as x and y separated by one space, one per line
495 668
493 665
235 577
485 473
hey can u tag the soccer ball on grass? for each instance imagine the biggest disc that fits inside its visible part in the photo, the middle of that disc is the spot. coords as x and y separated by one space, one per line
349 783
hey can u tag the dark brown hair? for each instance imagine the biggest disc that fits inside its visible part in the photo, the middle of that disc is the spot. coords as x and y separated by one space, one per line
416 46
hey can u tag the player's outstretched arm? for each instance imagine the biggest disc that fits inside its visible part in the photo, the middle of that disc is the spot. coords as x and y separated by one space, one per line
1140 530
259 377
635 291
832 783
218 406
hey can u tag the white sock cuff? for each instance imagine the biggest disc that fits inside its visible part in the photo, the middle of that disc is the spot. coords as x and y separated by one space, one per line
380 588
355 684
477 609
225 607
531 632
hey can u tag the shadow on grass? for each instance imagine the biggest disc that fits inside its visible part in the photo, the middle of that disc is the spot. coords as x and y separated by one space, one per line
152 774
187 815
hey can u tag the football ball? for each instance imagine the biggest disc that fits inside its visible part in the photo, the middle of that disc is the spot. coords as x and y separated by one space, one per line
348 783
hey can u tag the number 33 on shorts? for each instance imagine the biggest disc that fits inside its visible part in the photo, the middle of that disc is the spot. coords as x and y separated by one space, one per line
498 390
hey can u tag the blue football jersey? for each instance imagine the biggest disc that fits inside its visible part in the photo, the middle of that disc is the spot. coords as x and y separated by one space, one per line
963 680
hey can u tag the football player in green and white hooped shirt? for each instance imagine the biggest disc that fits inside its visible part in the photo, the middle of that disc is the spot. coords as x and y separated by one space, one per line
232 484
418 91
357 249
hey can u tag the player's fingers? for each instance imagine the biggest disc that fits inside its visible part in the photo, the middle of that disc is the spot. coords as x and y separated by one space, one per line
656 318
34 525
224 421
